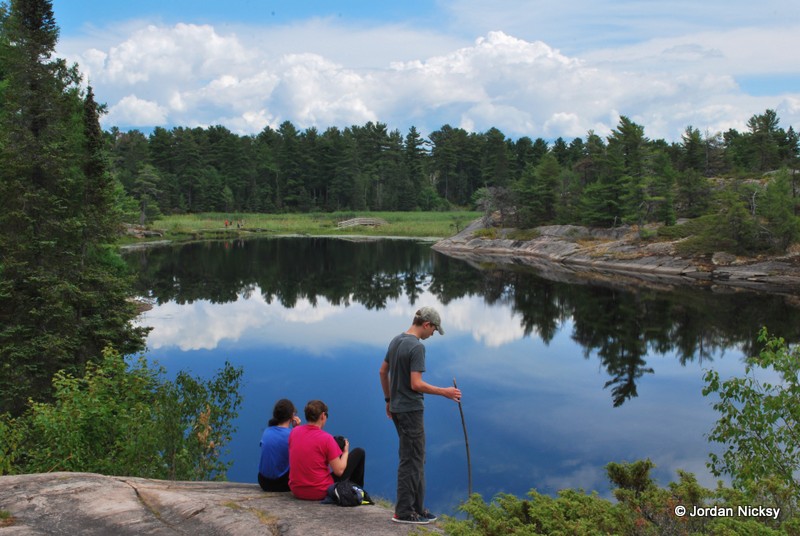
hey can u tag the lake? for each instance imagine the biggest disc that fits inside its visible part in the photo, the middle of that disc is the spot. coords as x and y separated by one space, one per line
558 379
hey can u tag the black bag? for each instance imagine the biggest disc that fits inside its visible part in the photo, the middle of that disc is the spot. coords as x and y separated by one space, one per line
348 493
339 441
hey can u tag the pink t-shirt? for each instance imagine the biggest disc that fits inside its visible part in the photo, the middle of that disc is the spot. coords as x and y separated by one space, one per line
310 451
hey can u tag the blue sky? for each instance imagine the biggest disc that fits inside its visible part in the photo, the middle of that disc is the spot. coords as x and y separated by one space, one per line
528 67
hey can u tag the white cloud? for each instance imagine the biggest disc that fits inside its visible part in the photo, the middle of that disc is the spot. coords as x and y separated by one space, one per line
315 91
246 78
133 111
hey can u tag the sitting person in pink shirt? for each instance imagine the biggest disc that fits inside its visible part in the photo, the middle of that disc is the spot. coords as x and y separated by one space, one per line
315 459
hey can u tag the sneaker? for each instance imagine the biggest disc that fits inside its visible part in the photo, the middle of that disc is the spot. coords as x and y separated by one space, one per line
427 514
413 519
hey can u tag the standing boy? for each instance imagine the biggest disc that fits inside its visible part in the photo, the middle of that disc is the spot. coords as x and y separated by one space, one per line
403 389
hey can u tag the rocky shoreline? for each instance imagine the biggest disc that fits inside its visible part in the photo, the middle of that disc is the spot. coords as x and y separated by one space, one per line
578 254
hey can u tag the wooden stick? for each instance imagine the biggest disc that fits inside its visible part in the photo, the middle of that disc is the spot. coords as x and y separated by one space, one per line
466 442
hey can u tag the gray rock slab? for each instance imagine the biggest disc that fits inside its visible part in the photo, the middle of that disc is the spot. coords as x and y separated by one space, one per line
89 504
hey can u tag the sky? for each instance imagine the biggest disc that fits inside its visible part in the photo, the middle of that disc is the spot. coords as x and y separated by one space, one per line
527 67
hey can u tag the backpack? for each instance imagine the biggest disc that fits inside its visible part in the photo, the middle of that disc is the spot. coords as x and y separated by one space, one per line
347 493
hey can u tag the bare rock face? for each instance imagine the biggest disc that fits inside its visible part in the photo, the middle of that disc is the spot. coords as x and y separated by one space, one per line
559 251
86 504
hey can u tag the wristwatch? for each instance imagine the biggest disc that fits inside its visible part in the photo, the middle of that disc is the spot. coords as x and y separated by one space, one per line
386 399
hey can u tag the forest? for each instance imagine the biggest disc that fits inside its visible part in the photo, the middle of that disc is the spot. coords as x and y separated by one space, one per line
622 178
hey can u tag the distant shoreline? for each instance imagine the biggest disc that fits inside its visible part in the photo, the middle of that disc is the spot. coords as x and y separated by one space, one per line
619 256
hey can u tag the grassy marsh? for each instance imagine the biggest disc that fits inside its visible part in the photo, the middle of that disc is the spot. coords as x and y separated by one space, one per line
399 224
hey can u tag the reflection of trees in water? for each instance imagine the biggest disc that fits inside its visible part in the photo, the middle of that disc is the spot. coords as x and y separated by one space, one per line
622 326
285 270
619 326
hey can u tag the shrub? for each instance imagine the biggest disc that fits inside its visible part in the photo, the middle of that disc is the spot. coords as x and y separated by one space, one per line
759 425
488 233
524 235
125 419
642 509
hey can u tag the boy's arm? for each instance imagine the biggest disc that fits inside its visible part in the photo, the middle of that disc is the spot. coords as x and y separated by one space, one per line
421 386
384 374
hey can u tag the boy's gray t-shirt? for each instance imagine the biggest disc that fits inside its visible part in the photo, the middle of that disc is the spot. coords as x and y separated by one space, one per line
406 354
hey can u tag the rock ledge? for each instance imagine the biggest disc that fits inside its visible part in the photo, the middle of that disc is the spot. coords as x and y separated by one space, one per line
571 253
87 503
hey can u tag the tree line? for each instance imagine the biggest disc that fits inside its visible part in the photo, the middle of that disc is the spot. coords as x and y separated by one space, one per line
623 177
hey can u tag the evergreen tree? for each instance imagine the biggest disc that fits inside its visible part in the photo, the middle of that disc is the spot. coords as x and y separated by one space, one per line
447 164
789 148
495 165
415 159
560 150
765 136
130 152
627 149
783 225
715 153
294 195
147 188
520 151
693 195
732 226
61 294
591 165
538 192
693 150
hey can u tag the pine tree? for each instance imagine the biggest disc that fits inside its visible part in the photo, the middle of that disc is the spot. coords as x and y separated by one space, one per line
62 298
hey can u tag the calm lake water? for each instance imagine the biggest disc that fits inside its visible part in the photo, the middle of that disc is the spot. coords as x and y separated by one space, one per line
558 379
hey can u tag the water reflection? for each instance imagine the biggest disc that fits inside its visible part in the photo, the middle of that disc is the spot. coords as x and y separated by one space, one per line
549 368
313 277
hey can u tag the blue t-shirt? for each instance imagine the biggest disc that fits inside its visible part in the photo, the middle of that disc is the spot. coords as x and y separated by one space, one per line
274 452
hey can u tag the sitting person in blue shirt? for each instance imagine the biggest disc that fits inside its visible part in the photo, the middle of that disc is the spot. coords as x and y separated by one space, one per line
273 468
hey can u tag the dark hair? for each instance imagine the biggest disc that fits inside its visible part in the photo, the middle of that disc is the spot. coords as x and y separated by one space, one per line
418 320
314 409
283 411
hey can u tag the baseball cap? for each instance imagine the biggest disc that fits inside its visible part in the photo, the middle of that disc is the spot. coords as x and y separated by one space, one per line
429 314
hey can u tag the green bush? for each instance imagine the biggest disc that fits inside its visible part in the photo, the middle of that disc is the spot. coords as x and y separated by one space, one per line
524 235
488 233
759 425
641 509
125 419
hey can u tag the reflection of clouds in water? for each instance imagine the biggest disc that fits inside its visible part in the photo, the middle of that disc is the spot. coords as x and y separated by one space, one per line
446 447
578 475
491 325
204 325
305 312
200 325
556 401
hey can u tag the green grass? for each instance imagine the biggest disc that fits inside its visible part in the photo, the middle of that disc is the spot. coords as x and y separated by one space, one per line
400 224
